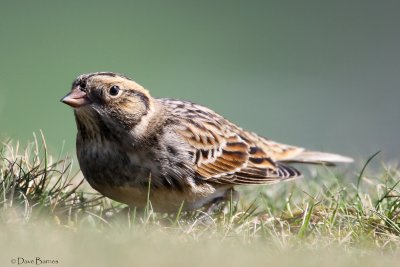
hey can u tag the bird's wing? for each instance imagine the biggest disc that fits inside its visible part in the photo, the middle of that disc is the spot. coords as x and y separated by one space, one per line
224 153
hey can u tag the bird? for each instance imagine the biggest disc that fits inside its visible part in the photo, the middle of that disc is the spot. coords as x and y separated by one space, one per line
135 148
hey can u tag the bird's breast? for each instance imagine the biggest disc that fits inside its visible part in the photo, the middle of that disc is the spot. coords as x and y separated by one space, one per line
126 175
110 165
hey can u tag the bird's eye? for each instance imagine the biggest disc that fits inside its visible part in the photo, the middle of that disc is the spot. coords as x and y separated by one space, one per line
114 90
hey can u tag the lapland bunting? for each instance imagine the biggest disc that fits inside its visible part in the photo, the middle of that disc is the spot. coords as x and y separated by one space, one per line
129 142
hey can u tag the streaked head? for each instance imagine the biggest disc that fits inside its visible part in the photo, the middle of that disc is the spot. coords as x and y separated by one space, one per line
114 98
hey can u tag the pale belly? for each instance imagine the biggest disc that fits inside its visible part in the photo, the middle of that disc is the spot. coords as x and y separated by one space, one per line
123 176
164 200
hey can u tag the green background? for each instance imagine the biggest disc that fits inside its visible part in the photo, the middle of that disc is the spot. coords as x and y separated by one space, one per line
320 74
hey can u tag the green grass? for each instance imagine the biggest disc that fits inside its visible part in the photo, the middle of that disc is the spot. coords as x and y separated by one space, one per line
331 217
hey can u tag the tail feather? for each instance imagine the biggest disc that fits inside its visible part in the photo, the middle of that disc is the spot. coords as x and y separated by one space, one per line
315 157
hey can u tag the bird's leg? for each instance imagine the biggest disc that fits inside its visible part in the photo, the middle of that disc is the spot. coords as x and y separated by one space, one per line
216 204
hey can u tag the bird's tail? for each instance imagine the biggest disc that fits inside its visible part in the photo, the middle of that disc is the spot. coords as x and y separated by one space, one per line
315 157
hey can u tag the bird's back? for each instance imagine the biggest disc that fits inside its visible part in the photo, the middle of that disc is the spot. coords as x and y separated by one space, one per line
225 153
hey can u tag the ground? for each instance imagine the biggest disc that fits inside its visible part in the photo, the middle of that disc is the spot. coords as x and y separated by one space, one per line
345 216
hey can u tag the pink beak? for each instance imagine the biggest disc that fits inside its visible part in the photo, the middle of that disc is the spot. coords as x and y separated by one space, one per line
76 99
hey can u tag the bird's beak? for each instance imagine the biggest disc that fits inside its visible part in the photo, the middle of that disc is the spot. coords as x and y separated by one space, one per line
76 98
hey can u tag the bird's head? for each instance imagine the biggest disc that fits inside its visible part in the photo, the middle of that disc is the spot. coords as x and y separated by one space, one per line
108 98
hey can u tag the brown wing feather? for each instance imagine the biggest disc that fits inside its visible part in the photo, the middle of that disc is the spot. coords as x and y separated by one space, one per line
215 156
224 153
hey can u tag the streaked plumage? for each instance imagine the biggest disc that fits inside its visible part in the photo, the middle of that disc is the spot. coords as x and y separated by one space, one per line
191 153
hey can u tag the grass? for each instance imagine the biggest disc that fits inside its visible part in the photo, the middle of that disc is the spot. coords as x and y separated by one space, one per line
330 218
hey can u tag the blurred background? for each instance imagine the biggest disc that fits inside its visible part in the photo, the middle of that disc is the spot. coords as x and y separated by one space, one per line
319 74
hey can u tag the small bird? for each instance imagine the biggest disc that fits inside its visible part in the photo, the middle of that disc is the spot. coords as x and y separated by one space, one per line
186 155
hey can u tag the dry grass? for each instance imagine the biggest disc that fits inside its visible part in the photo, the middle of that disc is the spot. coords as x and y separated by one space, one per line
326 219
